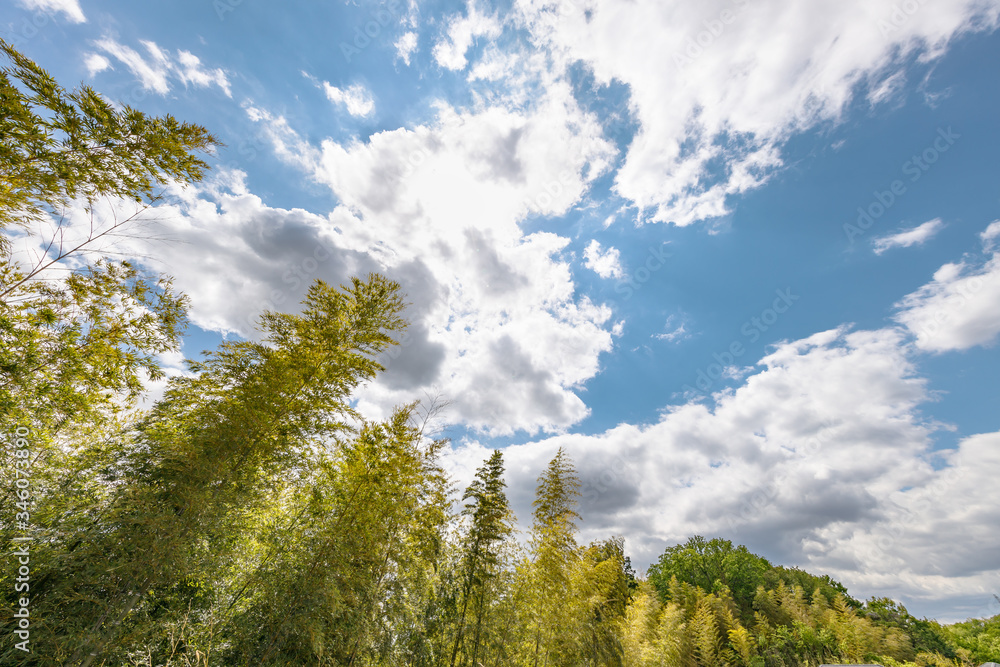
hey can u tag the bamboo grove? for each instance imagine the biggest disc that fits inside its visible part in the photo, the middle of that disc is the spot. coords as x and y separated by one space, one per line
252 516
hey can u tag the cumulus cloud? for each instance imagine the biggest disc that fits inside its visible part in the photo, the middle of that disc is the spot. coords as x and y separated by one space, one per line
71 8
606 264
720 86
355 98
933 542
460 33
406 46
818 453
908 237
158 67
958 308
441 203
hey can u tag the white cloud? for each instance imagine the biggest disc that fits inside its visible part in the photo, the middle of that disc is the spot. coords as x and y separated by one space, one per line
957 310
158 68
71 8
450 196
461 32
990 234
672 331
887 89
191 71
496 318
908 237
805 462
605 264
153 75
406 46
355 98
932 542
95 63
288 146
495 65
728 82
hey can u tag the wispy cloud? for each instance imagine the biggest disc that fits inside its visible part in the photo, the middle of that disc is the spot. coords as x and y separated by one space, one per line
158 68
674 330
71 8
908 237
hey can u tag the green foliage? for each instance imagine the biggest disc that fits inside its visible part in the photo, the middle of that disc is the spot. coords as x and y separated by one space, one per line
979 637
490 525
255 419
712 565
927 636
829 588
58 146
796 618
78 350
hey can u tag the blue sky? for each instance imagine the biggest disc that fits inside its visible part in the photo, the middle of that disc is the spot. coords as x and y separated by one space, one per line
739 257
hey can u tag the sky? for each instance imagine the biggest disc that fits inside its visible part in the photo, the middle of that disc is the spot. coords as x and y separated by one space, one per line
740 258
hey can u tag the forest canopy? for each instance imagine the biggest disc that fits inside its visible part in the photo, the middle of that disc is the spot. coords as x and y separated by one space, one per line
253 516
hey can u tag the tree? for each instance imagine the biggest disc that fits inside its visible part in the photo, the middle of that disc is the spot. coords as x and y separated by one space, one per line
58 146
712 565
927 636
603 580
490 525
980 638
200 465
76 347
552 608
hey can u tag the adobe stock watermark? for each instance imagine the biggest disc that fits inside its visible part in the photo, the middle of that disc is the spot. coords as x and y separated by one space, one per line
302 272
928 330
899 15
552 189
694 47
914 168
28 28
752 330
22 553
364 34
298 274
223 7
591 489
655 260
753 507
